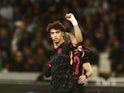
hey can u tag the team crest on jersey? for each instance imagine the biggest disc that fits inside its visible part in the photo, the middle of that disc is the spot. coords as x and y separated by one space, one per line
59 51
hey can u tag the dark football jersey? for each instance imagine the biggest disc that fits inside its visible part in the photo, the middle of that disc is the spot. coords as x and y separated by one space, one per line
79 57
60 65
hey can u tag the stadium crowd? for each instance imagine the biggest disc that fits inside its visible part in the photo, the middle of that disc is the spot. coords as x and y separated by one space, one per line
25 43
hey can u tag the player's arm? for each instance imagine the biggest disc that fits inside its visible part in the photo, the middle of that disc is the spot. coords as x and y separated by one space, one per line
47 72
78 35
87 67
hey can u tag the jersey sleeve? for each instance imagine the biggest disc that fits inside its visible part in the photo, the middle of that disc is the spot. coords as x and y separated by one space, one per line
48 71
85 57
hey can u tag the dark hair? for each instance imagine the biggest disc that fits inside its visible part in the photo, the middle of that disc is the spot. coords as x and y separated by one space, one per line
56 25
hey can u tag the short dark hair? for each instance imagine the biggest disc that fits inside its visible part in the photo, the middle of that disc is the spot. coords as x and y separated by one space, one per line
56 25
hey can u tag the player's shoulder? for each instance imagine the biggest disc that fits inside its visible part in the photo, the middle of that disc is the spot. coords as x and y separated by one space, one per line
86 49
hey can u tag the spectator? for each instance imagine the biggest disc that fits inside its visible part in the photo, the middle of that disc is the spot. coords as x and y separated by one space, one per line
6 11
18 63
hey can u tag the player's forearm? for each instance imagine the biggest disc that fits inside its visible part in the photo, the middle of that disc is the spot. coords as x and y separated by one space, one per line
88 69
78 34
48 72
89 73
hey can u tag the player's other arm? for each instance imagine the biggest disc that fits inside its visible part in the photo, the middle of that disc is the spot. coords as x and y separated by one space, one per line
87 67
47 72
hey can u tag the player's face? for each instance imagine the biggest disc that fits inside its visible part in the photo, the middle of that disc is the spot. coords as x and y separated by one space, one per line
56 35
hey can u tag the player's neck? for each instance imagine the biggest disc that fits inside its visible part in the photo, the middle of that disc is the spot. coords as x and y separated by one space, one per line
56 45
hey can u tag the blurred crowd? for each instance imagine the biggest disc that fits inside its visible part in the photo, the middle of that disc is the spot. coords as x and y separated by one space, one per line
25 43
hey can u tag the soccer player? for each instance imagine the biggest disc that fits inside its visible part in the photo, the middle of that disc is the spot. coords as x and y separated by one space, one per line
62 81
81 67
80 64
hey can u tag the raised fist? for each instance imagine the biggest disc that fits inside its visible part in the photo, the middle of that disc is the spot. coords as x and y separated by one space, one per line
71 18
